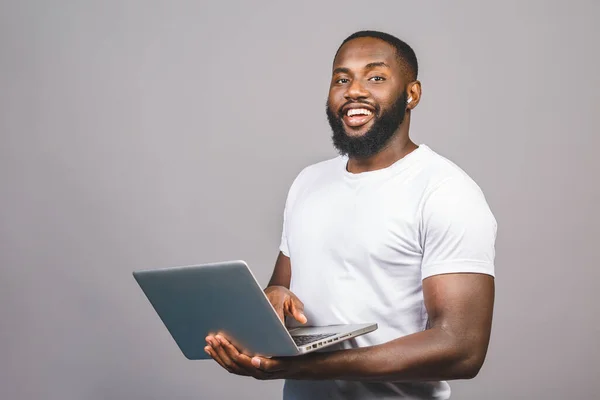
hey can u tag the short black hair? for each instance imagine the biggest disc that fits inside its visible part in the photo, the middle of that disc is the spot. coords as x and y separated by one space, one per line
405 53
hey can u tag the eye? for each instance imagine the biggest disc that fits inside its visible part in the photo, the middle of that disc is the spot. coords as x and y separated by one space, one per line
377 79
342 80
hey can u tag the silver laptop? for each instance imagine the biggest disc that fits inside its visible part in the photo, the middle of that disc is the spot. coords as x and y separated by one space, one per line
225 298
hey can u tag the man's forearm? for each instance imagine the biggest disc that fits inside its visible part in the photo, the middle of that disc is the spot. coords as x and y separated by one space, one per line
425 356
282 272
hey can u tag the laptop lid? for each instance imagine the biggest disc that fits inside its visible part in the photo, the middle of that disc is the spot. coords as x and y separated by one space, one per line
195 301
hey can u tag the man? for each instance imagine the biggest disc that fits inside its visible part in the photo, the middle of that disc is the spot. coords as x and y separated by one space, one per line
388 232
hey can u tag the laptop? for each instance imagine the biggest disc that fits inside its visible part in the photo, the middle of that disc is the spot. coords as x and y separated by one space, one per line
225 298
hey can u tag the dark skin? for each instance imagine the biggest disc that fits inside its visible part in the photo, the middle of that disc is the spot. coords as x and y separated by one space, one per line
368 70
460 306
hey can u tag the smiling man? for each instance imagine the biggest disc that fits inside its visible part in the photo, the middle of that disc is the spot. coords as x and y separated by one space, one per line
388 232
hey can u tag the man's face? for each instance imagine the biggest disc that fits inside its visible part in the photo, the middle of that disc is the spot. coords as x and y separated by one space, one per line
367 97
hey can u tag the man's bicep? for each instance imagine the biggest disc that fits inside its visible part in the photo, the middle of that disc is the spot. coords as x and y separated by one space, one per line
282 273
461 304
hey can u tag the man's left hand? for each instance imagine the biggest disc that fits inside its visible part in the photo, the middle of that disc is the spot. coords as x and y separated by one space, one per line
223 352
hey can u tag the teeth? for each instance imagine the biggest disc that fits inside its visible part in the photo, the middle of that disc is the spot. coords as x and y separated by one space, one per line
358 111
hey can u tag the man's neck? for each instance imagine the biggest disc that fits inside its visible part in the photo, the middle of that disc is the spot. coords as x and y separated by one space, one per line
398 147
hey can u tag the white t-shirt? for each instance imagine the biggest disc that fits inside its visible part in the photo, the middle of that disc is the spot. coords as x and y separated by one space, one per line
361 244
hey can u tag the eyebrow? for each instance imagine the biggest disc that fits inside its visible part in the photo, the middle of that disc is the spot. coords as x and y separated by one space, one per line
376 64
343 70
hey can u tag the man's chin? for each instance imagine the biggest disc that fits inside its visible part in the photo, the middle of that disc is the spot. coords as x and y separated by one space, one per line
358 131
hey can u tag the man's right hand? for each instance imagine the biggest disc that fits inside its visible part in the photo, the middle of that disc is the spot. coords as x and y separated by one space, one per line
286 303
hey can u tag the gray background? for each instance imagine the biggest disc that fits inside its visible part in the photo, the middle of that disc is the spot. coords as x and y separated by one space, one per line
141 134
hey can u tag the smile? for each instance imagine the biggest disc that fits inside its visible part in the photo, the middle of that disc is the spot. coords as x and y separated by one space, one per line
355 117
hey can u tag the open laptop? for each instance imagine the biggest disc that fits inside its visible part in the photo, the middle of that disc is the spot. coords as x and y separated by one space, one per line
225 298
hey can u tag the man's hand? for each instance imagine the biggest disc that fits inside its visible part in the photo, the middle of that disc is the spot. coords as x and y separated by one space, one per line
228 357
223 352
286 303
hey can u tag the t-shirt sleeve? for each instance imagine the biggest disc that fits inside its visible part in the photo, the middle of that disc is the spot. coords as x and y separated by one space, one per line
289 202
283 246
458 230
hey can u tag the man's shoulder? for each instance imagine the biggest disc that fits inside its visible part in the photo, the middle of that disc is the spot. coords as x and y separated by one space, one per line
444 181
314 175
438 170
323 168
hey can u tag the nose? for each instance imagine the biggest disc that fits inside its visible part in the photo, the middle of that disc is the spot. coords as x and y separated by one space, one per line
356 91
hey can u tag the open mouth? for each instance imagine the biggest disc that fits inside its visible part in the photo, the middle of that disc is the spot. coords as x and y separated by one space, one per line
357 116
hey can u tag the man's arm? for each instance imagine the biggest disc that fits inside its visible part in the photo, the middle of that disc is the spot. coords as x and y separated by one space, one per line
460 307
281 298
458 233
282 273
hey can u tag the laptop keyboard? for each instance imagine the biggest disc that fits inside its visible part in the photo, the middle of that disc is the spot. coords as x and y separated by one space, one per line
301 340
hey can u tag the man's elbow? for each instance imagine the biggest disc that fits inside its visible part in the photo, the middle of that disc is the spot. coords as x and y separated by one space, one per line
469 371
471 364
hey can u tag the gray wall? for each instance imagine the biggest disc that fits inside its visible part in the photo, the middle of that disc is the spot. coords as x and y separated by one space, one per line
141 134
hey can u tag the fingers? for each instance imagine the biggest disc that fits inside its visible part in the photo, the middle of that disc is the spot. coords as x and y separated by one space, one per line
286 303
211 352
225 358
211 349
240 359
276 300
225 354
296 308
228 357
280 313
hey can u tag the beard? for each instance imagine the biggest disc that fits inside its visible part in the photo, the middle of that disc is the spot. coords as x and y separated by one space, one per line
375 139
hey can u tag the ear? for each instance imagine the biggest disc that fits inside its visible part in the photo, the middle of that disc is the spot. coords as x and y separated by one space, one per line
414 94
